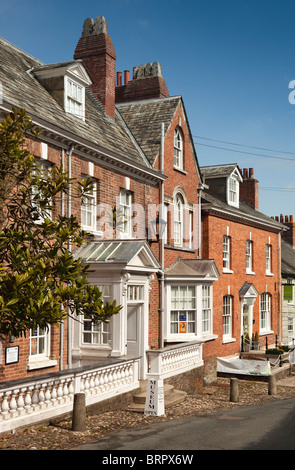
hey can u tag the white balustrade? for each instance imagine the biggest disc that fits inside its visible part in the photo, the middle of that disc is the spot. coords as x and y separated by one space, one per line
173 360
43 399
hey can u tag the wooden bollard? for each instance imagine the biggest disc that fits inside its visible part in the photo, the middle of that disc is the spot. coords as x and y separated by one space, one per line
79 413
234 390
272 385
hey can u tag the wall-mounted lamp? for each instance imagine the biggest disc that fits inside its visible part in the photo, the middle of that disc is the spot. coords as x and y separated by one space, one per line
159 226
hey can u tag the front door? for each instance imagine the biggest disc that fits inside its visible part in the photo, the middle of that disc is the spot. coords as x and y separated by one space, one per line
134 329
246 318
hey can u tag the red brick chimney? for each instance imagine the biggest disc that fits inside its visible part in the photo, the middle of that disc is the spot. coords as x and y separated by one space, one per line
249 192
147 83
289 235
96 50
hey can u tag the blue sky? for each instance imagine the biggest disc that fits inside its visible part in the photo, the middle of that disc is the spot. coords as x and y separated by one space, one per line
231 60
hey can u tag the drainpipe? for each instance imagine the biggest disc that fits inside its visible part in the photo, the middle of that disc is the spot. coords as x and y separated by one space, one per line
199 189
162 258
61 343
69 153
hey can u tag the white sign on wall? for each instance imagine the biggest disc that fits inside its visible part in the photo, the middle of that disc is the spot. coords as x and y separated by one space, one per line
154 403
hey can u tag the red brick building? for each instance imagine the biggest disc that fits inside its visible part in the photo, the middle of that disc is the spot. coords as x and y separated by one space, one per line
246 246
188 293
134 141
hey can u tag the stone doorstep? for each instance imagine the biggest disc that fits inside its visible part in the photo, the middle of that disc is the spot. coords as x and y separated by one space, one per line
171 397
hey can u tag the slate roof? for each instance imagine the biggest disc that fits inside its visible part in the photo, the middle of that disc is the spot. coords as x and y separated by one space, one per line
288 259
144 119
244 211
21 89
218 171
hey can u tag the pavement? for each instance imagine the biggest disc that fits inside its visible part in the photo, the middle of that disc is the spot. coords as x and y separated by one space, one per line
106 426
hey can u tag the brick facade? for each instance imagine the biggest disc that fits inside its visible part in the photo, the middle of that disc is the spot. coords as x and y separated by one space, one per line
214 227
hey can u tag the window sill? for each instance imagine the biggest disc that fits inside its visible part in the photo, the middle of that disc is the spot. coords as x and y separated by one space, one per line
92 232
227 271
266 332
183 338
180 248
180 170
41 363
228 340
269 274
250 272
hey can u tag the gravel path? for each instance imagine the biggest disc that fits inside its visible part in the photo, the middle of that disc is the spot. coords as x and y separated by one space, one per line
214 398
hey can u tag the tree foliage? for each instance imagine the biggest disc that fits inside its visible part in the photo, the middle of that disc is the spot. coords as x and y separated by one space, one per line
41 280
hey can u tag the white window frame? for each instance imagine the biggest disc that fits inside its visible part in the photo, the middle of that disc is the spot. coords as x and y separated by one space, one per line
44 167
89 208
182 315
74 98
99 333
40 359
201 307
178 220
265 312
39 337
227 311
268 258
233 191
178 149
226 253
126 209
249 257
206 309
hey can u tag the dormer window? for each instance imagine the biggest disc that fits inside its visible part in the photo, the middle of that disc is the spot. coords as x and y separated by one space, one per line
74 98
66 82
233 193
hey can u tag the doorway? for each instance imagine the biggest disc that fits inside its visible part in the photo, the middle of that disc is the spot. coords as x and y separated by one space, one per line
246 319
134 320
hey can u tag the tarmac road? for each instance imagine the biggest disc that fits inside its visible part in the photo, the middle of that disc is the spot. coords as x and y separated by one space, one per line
269 426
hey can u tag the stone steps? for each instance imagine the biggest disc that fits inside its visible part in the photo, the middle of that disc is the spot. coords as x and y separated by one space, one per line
171 397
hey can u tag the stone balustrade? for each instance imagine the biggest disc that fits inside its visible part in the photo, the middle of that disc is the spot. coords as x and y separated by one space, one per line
172 360
42 398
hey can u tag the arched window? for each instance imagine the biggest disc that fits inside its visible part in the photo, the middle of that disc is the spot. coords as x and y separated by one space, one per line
178 220
178 149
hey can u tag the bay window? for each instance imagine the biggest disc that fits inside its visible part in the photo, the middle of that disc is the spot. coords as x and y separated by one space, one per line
183 309
189 311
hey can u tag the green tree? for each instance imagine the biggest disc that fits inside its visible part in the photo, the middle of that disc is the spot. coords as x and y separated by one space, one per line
41 280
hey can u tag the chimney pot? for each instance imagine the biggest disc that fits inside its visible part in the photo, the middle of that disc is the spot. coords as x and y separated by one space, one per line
291 218
251 173
126 76
119 78
245 173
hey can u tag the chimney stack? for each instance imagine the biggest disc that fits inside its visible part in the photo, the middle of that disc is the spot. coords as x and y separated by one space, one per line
147 82
96 50
289 235
249 192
